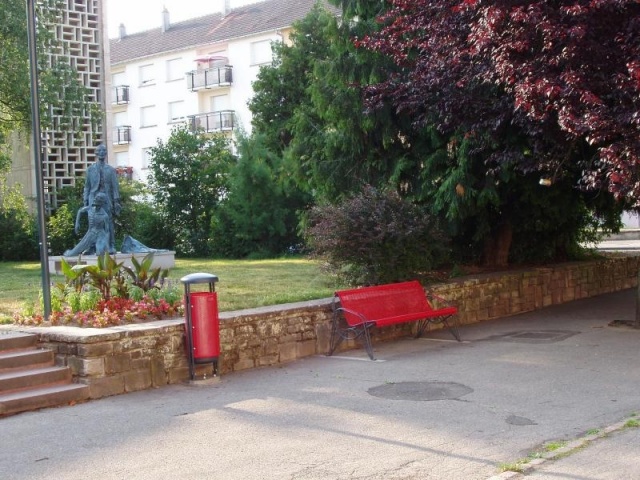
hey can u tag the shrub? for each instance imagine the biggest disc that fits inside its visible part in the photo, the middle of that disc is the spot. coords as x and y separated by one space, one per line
258 219
60 230
18 229
376 237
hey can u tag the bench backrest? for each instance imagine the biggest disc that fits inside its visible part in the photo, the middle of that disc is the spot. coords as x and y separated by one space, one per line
384 301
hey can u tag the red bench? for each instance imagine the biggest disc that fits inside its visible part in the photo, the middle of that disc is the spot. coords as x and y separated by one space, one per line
383 305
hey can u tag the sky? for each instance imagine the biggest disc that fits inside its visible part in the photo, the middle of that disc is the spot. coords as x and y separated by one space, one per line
139 15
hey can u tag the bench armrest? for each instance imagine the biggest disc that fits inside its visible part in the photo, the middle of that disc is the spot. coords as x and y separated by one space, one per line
362 318
438 299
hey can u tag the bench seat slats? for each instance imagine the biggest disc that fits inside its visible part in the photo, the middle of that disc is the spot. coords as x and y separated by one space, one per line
411 317
384 305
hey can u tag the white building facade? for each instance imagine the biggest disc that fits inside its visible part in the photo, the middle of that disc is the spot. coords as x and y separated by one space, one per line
199 72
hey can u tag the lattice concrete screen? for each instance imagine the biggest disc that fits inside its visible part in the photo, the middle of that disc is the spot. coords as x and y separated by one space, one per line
80 29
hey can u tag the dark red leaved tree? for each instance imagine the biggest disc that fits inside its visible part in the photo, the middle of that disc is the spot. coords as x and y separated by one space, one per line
565 74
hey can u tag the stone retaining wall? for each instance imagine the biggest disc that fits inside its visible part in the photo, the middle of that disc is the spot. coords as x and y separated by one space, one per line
139 356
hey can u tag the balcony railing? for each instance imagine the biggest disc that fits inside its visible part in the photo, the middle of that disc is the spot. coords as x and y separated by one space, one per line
122 135
121 96
210 78
125 172
223 120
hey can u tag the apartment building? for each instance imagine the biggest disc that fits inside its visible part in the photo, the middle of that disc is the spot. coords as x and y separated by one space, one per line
197 72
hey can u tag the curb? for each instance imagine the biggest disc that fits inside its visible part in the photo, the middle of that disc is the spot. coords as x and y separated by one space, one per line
568 449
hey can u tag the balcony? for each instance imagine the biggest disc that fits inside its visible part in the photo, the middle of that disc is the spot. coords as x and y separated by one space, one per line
121 95
221 121
210 78
125 172
122 135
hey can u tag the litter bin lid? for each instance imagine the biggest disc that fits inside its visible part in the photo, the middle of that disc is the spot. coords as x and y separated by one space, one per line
199 278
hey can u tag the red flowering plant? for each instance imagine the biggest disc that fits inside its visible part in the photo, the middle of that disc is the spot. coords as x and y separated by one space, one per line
108 294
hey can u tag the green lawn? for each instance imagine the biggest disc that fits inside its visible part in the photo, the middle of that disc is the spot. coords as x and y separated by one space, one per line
242 283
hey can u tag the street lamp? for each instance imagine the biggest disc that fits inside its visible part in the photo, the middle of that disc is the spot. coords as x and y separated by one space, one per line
37 155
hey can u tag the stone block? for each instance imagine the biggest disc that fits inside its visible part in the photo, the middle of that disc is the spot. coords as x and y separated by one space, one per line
178 375
267 360
244 363
158 372
306 348
69 349
143 363
137 380
175 360
86 367
95 349
117 363
288 352
105 386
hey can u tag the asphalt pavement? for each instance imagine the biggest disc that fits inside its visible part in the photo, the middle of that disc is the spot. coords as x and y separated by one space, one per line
559 381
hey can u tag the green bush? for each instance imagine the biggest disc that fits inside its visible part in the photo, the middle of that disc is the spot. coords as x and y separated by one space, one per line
60 230
376 237
18 231
259 217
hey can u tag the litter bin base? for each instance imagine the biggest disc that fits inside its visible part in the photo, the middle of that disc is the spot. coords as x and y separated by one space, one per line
200 361
205 382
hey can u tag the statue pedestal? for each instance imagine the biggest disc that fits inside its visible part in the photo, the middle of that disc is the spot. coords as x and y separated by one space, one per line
162 259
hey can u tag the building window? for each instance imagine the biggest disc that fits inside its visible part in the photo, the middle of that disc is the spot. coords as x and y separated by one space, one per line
147 75
175 70
219 102
261 52
122 159
119 78
120 119
176 111
148 116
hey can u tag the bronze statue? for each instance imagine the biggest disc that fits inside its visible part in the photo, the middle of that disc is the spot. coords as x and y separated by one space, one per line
97 238
102 178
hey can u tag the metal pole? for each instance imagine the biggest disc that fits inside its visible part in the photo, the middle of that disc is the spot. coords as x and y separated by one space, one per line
37 155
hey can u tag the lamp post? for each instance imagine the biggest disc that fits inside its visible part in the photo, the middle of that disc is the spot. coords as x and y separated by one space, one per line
37 155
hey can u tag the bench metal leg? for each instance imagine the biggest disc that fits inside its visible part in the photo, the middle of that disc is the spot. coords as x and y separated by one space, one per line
367 341
336 337
352 333
453 327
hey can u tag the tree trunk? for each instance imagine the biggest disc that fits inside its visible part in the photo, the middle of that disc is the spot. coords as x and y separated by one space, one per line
497 247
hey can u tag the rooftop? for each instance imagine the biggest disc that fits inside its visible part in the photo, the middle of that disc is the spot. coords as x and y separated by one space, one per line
239 22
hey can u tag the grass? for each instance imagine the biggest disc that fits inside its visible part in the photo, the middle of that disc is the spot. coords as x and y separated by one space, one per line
242 283
554 450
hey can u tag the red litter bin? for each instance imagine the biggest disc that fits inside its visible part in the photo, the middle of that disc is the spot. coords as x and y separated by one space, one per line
202 323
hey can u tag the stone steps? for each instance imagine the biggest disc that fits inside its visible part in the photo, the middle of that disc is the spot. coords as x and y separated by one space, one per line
29 380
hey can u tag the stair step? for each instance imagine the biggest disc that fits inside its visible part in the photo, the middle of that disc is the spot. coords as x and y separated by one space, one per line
25 358
16 340
35 399
14 381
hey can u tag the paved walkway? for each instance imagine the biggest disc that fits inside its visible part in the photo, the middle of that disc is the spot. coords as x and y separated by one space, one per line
428 409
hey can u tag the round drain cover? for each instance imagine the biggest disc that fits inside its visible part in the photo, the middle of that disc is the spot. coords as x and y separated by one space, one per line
420 391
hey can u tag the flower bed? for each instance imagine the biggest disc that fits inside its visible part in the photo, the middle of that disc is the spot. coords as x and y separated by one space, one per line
108 294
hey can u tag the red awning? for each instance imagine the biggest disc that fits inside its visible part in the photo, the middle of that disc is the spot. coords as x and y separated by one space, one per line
211 58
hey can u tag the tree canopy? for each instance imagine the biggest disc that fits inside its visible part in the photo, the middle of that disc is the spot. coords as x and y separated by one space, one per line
61 91
309 104
189 177
564 76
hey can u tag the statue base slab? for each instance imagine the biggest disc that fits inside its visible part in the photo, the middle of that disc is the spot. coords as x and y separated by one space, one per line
162 259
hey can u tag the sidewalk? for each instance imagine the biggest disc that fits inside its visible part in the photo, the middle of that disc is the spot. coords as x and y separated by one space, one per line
427 409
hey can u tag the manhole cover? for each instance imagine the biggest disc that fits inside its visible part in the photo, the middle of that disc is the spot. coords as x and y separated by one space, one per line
420 391
535 336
